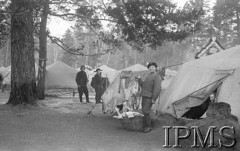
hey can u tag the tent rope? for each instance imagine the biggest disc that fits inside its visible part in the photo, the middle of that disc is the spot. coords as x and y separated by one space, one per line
6 75
173 65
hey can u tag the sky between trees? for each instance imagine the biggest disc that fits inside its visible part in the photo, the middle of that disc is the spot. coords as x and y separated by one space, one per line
59 26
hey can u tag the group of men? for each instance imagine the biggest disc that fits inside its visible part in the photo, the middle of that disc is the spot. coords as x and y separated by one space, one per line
97 84
151 88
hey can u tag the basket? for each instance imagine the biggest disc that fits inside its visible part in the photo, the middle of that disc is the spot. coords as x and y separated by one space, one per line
132 124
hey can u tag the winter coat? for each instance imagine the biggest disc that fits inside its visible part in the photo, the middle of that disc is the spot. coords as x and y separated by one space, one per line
151 86
1 78
98 79
81 78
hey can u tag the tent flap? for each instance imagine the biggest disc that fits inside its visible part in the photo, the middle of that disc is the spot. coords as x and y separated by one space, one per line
196 98
192 80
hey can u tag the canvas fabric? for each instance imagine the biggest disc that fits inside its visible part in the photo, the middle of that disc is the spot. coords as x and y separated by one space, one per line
196 80
59 75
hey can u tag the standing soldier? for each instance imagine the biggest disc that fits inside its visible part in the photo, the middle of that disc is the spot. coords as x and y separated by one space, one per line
82 81
1 81
151 88
97 84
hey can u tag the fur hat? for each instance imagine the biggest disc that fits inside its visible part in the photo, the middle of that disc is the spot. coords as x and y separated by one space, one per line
151 64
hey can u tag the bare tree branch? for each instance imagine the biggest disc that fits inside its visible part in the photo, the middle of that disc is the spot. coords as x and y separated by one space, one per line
81 16
69 50
71 3
4 34
5 23
90 27
104 5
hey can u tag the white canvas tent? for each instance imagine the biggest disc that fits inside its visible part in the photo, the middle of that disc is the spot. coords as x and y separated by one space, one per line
2 68
107 72
197 79
86 70
136 67
116 92
6 72
60 75
168 73
112 96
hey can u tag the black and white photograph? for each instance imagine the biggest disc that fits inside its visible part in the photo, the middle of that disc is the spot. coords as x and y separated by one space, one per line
119 75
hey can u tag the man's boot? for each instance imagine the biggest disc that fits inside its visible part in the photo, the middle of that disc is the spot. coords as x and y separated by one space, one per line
87 99
144 125
148 124
80 98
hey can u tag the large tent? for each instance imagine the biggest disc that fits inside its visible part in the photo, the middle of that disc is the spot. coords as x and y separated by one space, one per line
114 95
108 72
86 70
170 73
116 92
2 68
60 75
197 79
139 68
6 72
136 67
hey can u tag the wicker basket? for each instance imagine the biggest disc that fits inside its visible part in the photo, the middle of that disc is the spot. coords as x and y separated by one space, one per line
132 124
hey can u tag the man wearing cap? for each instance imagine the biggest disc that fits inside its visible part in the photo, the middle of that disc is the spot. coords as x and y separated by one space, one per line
151 88
82 81
1 82
98 85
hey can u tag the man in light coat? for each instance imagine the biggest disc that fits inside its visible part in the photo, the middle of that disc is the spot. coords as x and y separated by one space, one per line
151 88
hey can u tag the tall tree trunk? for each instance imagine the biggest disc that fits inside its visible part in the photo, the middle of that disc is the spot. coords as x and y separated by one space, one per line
42 51
238 26
6 53
86 63
145 56
124 59
7 50
23 81
135 58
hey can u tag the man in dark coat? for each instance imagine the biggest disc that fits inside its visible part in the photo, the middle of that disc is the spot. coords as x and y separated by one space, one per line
1 79
151 88
98 86
1 82
82 81
106 83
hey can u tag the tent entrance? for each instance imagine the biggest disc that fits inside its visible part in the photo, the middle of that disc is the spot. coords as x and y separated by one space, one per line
196 98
